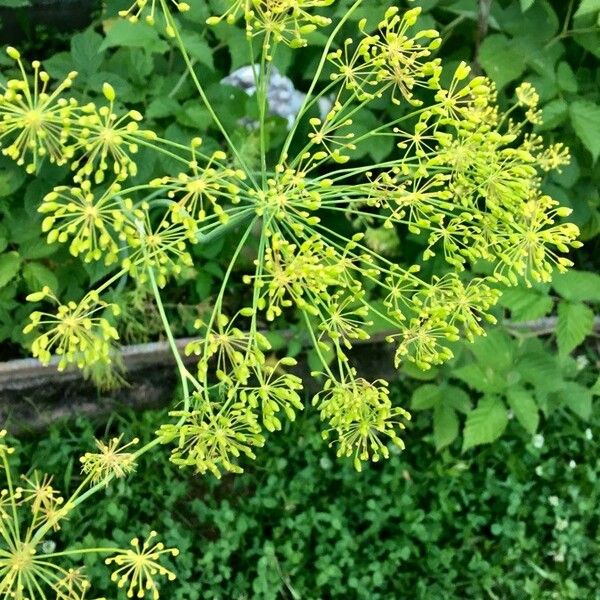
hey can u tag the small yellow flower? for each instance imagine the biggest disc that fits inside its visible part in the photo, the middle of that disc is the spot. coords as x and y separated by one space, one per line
112 460
35 121
138 567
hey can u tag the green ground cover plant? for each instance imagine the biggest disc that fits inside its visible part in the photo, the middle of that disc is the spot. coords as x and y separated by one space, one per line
515 519
409 204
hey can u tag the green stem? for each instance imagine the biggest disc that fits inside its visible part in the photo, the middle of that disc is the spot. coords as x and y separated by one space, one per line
311 89
207 104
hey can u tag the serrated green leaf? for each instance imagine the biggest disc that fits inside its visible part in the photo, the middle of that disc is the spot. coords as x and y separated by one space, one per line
524 408
133 35
425 397
541 370
198 48
502 61
496 349
457 398
578 399
578 286
85 51
10 263
526 303
445 425
587 7
553 114
38 275
483 380
585 118
485 423
565 77
575 323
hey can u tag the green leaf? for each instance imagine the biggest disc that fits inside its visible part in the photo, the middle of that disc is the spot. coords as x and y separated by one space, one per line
565 77
585 118
425 397
578 286
502 61
486 423
38 275
553 114
575 323
482 380
457 398
524 408
133 35
578 399
11 177
496 349
14 3
10 263
445 426
526 4
162 107
587 7
85 52
198 48
526 303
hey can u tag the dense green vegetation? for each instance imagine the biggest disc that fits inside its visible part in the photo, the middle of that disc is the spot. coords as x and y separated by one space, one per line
496 494
513 520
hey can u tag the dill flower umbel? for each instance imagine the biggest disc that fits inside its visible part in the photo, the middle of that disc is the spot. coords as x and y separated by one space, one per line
314 224
111 460
30 571
138 566
34 120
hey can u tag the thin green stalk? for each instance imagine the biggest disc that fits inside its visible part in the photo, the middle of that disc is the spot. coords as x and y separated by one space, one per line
311 89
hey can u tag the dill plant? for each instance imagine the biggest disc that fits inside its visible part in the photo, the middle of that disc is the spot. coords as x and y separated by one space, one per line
463 172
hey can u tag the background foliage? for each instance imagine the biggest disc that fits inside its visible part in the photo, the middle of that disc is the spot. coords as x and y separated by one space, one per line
554 45
512 520
516 519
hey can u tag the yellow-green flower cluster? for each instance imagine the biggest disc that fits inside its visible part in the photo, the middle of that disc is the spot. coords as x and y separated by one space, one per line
463 177
33 508
286 21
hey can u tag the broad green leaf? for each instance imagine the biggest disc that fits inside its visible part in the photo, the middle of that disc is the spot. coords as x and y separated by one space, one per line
11 177
480 379
425 397
485 423
577 398
526 303
445 426
575 323
578 286
595 389
565 77
553 114
524 408
162 107
85 51
496 349
123 33
38 275
526 4
10 263
198 48
587 7
541 370
585 118
457 398
502 61
14 3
